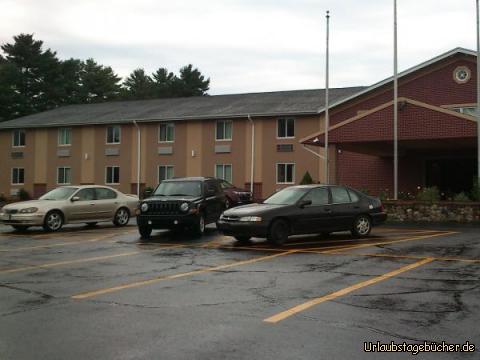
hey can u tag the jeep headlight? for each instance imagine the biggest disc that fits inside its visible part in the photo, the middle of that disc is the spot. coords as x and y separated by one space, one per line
251 219
144 207
184 207
29 210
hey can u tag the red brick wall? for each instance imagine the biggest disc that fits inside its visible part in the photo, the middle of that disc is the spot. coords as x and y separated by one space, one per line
434 86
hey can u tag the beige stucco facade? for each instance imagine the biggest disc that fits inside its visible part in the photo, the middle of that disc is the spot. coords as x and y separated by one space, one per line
195 151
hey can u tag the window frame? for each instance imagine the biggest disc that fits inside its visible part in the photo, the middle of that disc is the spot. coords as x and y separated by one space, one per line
12 177
231 130
119 135
166 124
19 131
346 190
64 177
293 173
286 131
69 136
166 172
223 169
113 175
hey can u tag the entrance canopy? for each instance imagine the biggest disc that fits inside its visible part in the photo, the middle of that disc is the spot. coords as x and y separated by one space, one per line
421 127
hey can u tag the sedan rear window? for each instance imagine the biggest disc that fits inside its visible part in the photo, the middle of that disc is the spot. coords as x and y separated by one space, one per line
339 195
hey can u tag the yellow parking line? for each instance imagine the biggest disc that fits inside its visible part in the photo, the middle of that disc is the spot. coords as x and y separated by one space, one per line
154 280
302 307
83 260
414 257
414 238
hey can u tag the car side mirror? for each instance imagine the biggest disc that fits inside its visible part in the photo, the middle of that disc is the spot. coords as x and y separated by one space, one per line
304 203
75 198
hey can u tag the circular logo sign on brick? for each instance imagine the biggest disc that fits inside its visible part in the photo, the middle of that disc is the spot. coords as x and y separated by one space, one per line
462 74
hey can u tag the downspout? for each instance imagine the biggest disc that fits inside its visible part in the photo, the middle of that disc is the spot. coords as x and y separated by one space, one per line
138 157
252 165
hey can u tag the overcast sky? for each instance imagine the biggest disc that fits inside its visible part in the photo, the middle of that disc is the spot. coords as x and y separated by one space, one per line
246 45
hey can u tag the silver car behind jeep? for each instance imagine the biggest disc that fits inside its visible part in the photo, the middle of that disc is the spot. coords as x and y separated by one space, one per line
71 204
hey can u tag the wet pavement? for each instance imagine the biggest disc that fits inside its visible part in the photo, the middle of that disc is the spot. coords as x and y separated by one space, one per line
101 293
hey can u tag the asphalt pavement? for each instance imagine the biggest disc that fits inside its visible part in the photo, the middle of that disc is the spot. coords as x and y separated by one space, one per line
102 293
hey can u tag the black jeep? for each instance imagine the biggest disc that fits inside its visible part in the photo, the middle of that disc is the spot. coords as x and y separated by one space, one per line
181 203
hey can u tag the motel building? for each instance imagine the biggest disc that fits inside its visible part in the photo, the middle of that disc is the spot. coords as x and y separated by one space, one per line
273 134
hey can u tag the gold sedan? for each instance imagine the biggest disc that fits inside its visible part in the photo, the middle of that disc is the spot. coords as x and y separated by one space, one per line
71 204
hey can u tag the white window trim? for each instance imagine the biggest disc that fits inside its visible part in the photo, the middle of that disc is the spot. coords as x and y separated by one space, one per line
286 137
58 137
106 175
167 141
166 166
64 167
13 139
216 124
11 177
216 175
119 135
293 174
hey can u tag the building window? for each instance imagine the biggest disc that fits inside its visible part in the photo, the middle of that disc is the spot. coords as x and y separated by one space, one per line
166 132
165 172
113 134
285 173
18 138
18 176
64 136
112 175
223 171
285 128
467 110
224 130
64 175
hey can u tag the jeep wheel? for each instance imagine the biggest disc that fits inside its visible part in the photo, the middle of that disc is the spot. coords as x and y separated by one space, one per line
145 231
199 226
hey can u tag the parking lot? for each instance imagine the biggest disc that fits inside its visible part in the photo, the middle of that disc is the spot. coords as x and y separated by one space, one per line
102 293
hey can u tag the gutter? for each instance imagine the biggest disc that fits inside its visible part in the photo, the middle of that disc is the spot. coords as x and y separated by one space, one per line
252 165
138 156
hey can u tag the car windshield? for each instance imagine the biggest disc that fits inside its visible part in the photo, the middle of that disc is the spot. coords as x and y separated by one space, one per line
288 196
61 193
179 188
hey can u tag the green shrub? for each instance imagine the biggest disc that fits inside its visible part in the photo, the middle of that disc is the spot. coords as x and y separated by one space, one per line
461 197
307 179
23 195
405 195
430 194
475 193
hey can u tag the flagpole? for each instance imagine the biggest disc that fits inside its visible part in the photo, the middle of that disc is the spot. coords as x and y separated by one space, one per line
327 119
478 94
395 104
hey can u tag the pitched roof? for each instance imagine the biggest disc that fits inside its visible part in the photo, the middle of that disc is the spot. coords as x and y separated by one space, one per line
295 102
278 103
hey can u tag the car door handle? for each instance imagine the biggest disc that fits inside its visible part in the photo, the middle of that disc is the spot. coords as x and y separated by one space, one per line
356 207
328 210
92 204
